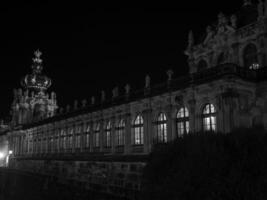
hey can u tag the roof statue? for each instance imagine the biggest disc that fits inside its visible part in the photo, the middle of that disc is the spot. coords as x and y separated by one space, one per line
127 89
190 39
169 74
147 81
103 96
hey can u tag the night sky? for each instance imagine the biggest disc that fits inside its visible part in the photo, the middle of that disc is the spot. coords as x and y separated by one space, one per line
87 49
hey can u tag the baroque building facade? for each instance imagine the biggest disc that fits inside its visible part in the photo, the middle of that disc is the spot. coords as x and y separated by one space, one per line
105 144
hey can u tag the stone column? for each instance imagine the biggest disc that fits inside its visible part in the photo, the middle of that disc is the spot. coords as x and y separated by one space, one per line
173 127
101 136
147 115
112 133
169 123
192 115
127 146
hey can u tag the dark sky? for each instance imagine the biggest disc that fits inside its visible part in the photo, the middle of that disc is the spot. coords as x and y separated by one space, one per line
88 48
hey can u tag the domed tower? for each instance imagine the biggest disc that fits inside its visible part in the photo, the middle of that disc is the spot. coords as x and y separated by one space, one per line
34 103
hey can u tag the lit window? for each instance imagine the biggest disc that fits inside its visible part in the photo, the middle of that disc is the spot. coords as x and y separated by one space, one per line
78 141
161 128
119 133
209 118
138 130
107 137
78 136
96 134
70 138
182 121
250 57
87 135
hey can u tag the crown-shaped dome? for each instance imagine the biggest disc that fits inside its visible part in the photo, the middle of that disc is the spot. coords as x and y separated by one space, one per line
36 81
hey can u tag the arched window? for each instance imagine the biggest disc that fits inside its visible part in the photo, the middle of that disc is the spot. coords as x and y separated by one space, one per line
107 136
209 118
182 121
202 64
96 135
138 131
78 136
63 139
161 128
250 57
120 133
70 138
87 134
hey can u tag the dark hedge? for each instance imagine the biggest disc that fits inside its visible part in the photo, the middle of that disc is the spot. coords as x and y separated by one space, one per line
209 166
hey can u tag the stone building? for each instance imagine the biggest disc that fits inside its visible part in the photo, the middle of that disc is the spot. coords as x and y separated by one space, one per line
105 144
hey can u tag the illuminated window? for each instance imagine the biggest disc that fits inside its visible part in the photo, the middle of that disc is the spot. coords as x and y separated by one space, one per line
62 139
78 141
161 128
138 130
119 133
87 135
209 118
182 121
78 136
250 57
96 135
70 137
107 136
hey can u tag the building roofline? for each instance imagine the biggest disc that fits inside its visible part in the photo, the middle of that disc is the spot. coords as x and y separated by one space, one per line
197 78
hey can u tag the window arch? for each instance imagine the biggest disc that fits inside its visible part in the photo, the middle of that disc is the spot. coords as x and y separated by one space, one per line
250 57
209 117
182 121
120 133
138 130
202 64
96 142
161 128
107 137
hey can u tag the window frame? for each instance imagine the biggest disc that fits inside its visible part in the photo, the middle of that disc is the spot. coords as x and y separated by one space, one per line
161 128
138 130
209 117
182 122
120 133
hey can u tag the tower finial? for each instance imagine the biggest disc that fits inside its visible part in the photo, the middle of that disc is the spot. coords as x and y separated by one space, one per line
37 58
37 62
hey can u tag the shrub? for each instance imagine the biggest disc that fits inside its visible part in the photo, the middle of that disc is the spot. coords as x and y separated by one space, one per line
209 166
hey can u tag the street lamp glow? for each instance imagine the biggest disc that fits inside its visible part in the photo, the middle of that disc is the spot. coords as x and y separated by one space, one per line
10 152
2 155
